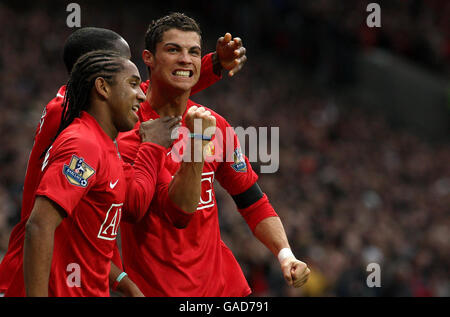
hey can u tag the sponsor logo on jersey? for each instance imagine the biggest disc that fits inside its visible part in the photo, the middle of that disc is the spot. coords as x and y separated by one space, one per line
239 164
207 194
110 226
78 171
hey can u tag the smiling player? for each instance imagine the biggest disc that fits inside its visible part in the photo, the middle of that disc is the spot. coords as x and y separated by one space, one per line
80 42
82 190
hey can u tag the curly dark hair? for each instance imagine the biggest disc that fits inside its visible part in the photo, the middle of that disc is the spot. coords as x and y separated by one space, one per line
87 69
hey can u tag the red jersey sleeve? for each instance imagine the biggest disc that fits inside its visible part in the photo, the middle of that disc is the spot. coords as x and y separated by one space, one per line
207 75
141 180
49 122
162 202
128 143
69 169
236 175
258 211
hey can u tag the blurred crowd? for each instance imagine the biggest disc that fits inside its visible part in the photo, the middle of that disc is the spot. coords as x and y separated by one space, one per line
351 188
351 191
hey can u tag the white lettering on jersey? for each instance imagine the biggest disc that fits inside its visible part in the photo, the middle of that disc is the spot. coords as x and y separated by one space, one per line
41 122
110 226
44 164
206 196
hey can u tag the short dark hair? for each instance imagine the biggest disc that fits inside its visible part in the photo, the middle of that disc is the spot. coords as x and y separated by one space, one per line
175 20
86 40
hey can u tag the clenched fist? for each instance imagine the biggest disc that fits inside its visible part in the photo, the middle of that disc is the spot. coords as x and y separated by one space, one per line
295 272
200 121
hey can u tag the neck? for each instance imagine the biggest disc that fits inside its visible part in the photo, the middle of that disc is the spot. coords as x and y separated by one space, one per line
167 102
99 112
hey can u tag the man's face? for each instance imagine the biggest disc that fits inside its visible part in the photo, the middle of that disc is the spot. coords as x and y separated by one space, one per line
177 60
126 96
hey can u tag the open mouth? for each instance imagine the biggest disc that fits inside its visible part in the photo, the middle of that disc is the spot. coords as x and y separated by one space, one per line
183 73
135 108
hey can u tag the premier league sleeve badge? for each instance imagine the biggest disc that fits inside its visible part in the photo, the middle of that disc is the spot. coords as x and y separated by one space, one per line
78 171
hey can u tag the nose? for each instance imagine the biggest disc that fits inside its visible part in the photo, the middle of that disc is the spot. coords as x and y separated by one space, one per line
184 57
140 95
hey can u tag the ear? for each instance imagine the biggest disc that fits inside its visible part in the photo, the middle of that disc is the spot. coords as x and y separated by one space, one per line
148 58
102 87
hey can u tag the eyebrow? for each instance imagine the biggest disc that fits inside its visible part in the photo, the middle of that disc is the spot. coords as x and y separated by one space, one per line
179 46
136 77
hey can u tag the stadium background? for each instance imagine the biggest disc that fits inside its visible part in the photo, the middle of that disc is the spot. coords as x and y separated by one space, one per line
364 127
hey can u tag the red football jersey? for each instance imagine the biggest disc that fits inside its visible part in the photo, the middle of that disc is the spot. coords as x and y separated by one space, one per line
82 172
165 261
45 132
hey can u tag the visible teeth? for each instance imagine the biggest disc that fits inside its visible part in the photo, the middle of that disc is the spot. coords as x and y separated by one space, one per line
183 73
135 108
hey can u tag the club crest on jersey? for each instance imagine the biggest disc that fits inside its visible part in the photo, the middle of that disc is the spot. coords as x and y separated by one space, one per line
78 171
210 149
239 164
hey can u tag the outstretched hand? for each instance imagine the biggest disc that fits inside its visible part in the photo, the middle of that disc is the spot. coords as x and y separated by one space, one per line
231 53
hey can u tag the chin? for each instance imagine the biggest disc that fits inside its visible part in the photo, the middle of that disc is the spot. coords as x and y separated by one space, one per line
183 86
127 126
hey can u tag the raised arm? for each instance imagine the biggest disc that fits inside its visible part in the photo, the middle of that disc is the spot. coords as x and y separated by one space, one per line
176 197
185 188
229 56
142 176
